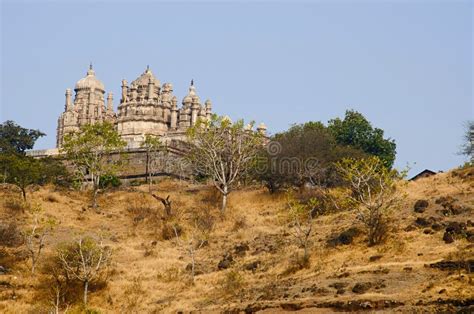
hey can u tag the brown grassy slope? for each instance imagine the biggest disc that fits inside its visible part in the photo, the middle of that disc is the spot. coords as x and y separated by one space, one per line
149 274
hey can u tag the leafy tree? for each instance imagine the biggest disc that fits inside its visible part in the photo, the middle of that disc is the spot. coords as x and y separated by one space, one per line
85 260
153 147
467 147
89 151
373 192
223 151
356 131
303 154
23 171
16 139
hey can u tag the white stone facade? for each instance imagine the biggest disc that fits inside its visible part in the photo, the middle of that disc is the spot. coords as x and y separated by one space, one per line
146 107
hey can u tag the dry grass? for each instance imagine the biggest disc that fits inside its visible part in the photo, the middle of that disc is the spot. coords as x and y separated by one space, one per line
150 273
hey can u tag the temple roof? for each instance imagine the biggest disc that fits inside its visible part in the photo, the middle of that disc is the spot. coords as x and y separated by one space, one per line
144 79
90 81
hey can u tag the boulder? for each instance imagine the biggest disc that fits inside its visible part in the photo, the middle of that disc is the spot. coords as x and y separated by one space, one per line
241 249
344 238
361 288
225 262
420 206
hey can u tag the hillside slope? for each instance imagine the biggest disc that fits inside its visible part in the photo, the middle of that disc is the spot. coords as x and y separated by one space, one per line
247 264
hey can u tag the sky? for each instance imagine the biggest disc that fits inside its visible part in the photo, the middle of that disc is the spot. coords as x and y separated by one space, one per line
405 65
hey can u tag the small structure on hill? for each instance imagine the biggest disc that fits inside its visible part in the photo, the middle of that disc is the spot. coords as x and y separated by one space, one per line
424 174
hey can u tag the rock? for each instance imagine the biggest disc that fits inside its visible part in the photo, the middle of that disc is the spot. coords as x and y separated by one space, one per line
428 231
225 262
291 306
3 270
338 285
420 206
470 238
422 222
448 238
410 228
361 288
375 258
442 291
454 265
408 269
252 266
241 249
344 238
197 269
455 227
436 227
445 200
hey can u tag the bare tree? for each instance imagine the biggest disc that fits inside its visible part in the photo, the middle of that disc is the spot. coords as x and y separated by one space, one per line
300 217
223 151
36 234
191 242
166 203
373 192
84 260
153 147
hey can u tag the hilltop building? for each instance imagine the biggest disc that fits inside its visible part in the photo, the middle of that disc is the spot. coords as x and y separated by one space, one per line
146 107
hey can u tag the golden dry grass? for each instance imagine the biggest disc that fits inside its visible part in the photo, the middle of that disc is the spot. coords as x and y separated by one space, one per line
149 273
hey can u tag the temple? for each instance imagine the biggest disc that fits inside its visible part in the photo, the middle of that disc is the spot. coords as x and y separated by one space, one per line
146 107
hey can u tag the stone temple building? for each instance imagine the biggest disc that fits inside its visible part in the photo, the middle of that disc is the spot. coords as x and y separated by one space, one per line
146 107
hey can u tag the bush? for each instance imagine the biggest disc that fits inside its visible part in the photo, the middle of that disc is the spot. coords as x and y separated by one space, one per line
232 282
10 235
15 204
168 231
109 181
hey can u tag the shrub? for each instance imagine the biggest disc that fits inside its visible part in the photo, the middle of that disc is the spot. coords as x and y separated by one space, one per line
15 204
296 263
232 282
109 181
10 235
373 192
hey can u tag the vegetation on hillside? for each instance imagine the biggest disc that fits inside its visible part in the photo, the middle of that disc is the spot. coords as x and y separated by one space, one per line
335 228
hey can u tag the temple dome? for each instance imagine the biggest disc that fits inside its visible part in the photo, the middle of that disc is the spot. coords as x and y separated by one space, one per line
144 79
89 82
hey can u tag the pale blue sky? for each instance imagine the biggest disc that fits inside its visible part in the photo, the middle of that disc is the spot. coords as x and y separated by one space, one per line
406 65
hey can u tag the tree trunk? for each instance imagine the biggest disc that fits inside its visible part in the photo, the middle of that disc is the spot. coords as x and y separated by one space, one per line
56 304
94 198
224 198
192 265
23 193
33 265
149 183
86 287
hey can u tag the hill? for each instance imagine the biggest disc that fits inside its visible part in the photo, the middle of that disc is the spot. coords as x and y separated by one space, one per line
248 262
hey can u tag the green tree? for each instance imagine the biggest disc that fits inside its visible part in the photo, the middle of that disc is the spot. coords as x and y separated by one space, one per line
467 147
23 171
356 131
16 139
153 147
303 154
89 151
223 151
